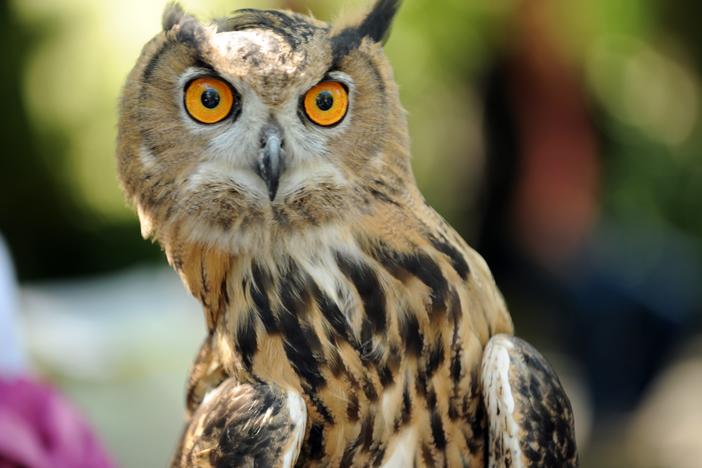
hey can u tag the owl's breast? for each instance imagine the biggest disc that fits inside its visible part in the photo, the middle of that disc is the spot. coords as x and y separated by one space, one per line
384 359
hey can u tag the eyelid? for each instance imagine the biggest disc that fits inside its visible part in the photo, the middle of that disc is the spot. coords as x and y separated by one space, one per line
341 77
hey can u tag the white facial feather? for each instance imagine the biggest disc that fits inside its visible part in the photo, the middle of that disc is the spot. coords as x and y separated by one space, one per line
280 56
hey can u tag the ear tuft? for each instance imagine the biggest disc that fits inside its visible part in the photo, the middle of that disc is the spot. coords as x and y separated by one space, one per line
185 28
377 24
172 15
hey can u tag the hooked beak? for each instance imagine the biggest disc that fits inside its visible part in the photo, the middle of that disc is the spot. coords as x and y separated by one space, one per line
269 162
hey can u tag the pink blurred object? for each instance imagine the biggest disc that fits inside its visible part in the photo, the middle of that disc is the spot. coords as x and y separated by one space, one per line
40 429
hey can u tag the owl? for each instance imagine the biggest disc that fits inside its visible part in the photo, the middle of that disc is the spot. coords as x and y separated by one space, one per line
347 324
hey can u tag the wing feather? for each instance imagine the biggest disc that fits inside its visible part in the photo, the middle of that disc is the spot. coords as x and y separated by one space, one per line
529 415
244 425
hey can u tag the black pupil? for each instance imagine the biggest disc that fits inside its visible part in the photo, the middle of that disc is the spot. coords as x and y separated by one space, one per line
325 100
210 98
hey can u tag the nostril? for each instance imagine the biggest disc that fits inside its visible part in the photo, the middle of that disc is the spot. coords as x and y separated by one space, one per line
272 134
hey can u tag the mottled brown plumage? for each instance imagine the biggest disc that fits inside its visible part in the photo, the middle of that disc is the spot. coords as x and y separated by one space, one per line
530 418
328 283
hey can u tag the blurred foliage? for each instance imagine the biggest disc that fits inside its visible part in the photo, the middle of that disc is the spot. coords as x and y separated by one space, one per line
64 63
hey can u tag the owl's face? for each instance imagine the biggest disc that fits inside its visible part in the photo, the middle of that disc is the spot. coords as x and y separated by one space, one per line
260 123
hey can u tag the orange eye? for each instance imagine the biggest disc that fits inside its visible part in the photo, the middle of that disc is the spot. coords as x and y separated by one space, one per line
208 100
326 103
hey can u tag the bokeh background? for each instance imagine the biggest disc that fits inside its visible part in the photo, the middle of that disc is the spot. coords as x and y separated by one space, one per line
563 138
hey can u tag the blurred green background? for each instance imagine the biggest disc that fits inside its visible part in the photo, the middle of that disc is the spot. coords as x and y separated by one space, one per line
487 83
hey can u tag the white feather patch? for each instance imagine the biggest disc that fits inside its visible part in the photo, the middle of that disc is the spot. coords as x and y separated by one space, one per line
499 400
298 416
403 451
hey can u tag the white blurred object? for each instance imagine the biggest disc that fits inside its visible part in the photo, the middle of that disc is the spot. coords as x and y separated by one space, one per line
126 323
119 345
12 360
667 429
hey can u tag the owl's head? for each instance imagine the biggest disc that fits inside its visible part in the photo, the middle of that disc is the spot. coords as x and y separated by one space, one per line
261 123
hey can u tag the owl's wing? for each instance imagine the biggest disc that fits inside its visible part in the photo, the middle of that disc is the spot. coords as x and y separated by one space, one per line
244 425
529 415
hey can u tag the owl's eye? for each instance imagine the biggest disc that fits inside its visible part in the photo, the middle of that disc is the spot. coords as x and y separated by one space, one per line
326 103
209 100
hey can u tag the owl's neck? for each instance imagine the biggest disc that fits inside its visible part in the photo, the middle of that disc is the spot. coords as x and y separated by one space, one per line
214 273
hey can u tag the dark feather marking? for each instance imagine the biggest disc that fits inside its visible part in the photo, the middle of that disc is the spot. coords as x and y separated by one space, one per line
406 411
298 349
378 451
420 384
455 310
411 336
419 265
365 441
320 407
380 81
366 434
366 283
261 283
334 316
349 453
394 187
294 29
150 66
427 456
437 431
367 353
458 262
353 408
247 340
336 364
385 375
431 396
224 294
455 368
436 357
369 389
375 26
381 196
301 344
394 357
477 422
456 362
315 442
204 282
347 458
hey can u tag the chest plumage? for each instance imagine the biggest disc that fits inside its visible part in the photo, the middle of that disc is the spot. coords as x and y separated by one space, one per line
374 331
346 321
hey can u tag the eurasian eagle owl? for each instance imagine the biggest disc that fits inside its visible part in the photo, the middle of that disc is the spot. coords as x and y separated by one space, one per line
347 323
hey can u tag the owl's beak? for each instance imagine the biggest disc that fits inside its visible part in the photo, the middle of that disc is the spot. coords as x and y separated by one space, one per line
269 163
